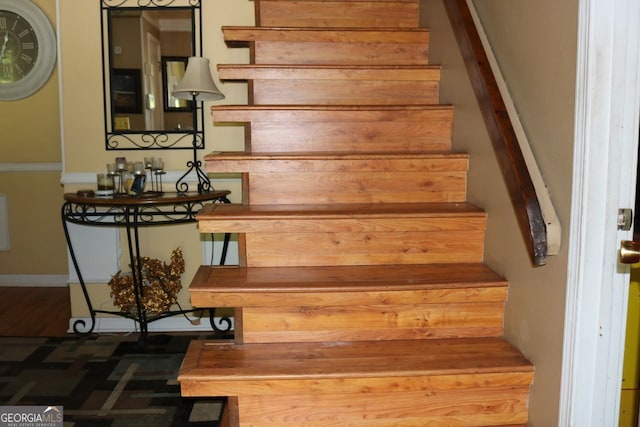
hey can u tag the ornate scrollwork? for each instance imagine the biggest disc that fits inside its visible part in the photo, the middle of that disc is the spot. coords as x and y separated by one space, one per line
149 3
154 140
80 326
224 324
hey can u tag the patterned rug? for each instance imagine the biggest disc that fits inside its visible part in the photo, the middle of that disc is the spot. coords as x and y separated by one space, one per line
104 381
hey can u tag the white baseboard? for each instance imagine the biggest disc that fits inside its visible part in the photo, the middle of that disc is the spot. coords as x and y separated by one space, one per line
169 324
34 280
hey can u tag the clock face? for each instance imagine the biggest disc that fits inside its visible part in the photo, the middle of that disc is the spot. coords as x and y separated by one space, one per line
27 49
18 47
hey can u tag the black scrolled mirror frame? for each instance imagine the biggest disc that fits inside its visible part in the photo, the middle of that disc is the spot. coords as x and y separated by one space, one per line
119 139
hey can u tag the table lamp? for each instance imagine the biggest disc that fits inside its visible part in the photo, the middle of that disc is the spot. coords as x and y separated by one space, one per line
197 85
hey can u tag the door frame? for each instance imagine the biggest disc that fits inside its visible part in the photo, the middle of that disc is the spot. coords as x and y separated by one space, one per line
604 171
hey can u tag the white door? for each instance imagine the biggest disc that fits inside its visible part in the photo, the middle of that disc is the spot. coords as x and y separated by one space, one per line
153 85
607 95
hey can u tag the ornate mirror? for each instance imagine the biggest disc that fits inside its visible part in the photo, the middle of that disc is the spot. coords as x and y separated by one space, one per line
173 69
146 44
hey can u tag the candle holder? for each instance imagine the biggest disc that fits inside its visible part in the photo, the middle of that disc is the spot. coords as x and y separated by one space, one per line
106 186
155 166
118 169
130 178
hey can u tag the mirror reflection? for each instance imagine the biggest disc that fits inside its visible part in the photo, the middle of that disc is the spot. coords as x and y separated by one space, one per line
139 40
146 50
173 69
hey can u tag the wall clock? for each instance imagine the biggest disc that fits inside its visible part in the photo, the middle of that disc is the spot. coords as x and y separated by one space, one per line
27 49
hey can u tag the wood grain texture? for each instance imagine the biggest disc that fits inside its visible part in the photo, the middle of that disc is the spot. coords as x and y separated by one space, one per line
339 211
361 299
477 408
341 178
217 296
383 361
371 322
337 162
331 187
324 34
369 53
336 92
279 387
340 128
356 218
20 319
332 114
353 46
316 13
368 279
352 234
352 73
364 248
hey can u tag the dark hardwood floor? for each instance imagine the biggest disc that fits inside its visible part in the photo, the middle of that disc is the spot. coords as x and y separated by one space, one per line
34 311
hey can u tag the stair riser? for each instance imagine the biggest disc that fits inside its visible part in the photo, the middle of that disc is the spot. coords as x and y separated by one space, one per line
334 188
336 14
345 316
418 409
347 187
352 131
368 248
371 323
375 53
349 137
336 92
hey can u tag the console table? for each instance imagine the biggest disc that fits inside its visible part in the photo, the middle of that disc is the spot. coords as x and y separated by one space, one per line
132 212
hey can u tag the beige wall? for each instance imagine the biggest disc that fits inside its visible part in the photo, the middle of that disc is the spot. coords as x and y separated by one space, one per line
83 121
30 154
539 67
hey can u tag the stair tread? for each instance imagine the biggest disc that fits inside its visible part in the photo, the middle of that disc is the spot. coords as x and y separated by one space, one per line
329 72
340 211
331 113
345 360
337 34
344 278
355 67
314 108
237 155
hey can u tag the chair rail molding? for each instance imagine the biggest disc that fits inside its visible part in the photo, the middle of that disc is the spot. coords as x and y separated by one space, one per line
30 167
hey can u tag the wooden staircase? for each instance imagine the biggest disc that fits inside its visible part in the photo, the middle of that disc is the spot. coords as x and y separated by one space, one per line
361 297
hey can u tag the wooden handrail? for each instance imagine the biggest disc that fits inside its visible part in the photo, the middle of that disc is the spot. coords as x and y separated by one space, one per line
503 137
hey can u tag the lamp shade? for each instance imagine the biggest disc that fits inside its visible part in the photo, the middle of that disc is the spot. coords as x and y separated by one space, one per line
198 82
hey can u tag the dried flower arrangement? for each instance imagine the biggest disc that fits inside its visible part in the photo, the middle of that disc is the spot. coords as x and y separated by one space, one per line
160 285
